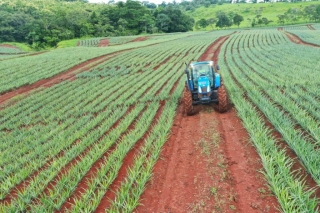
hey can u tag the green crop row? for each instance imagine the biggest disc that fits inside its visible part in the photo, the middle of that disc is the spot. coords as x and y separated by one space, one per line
260 74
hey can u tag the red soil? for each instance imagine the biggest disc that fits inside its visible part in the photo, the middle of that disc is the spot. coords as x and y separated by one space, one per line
227 180
8 46
103 43
140 39
296 39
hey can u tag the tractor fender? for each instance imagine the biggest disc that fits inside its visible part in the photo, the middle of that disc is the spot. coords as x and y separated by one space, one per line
217 81
189 85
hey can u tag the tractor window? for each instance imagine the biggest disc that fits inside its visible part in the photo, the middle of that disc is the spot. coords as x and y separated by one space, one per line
202 69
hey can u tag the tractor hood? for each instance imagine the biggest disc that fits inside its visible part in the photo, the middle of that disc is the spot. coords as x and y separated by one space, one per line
203 85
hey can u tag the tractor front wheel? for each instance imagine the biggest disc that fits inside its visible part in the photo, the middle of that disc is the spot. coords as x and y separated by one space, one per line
223 99
187 101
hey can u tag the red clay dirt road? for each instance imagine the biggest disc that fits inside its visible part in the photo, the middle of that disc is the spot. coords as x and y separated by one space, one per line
208 165
296 39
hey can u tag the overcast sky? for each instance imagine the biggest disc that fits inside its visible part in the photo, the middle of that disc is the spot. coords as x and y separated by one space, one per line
153 1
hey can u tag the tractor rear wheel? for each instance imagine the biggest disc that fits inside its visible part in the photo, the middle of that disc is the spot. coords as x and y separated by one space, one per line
187 101
223 99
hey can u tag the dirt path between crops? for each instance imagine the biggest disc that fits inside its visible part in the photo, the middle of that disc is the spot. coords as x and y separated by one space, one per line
140 39
296 39
310 27
9 46
208 165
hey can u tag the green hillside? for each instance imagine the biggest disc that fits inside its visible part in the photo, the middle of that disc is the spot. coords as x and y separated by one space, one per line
268 10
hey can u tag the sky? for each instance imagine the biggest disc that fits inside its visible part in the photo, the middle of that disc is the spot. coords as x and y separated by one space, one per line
151 1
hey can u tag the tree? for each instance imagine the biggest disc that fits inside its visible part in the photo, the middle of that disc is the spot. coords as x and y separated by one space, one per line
122 23
237 19
162 22
265 21
211 22
309 12
281 18
223 20
293 14
146 21
253 23
202 23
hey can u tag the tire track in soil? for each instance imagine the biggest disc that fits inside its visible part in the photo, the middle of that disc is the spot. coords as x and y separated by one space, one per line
295 39
183 178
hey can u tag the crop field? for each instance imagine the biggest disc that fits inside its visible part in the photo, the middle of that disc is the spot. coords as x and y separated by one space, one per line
6 50
268 75
309 36
112 136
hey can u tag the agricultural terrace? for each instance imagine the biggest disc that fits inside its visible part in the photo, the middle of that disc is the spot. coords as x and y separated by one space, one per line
68 142
274 85
90 143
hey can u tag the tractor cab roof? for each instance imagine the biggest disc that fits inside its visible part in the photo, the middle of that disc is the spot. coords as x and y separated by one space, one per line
192 64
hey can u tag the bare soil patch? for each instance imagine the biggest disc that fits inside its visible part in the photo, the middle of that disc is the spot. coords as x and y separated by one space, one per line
104 43
9 46
140 39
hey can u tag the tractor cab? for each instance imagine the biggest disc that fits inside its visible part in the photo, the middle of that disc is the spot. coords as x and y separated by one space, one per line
203 81
203 86
202 71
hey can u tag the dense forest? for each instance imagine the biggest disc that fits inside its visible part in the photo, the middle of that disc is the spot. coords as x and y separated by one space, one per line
42 23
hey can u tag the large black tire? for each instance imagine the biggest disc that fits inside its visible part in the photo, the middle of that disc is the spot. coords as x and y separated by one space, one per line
223 99
187 101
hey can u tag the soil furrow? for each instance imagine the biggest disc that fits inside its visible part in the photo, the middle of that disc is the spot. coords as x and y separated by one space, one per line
296 39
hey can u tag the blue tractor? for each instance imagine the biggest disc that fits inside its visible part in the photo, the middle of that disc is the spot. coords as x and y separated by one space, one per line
204 86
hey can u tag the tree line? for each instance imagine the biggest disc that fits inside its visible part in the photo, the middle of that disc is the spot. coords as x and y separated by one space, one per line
309 13
43 23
